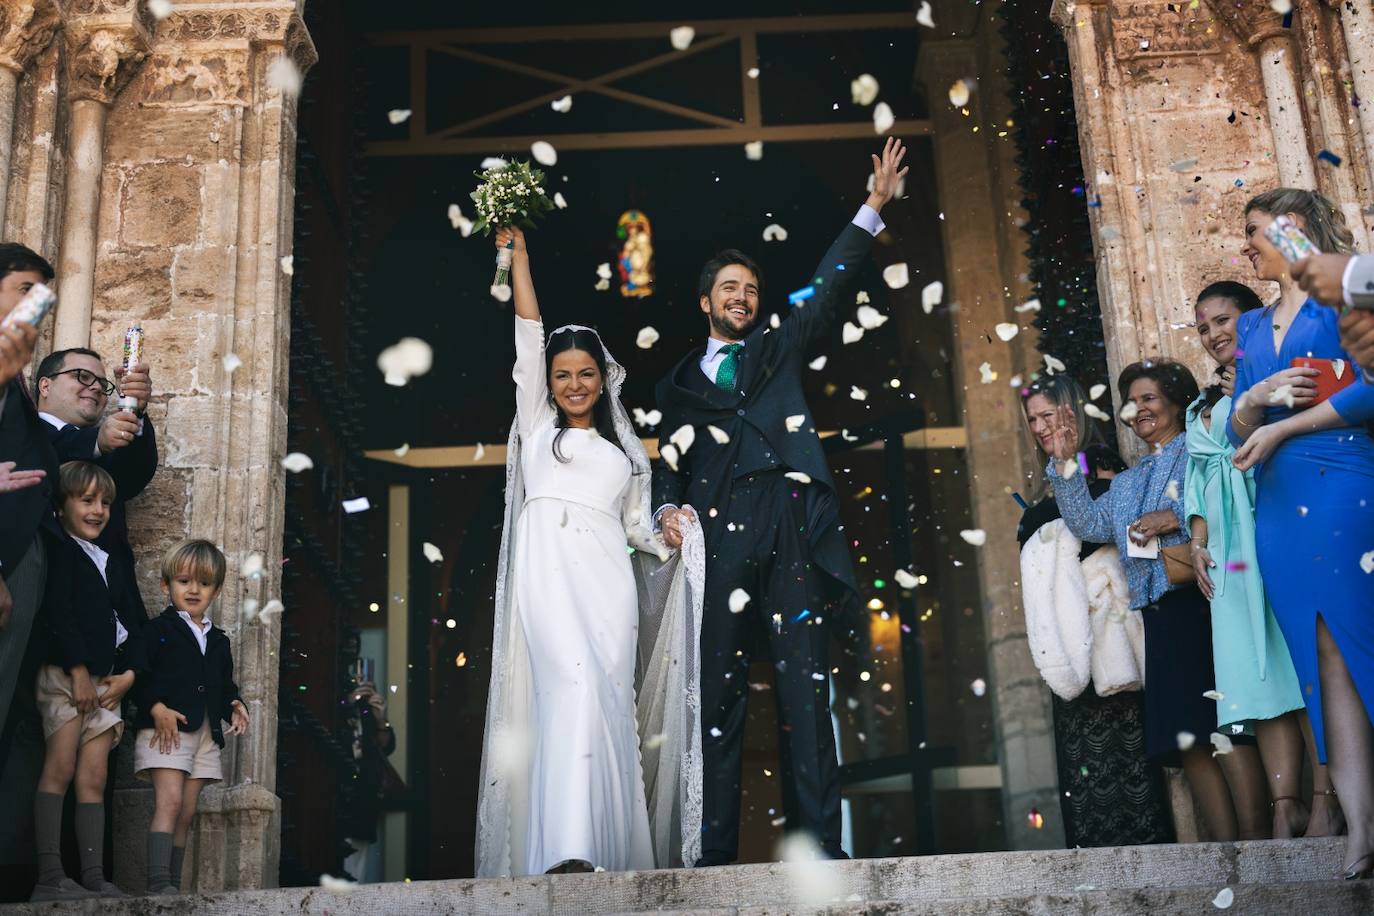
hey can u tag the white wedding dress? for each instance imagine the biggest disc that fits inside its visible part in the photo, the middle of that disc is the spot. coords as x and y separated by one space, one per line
562 773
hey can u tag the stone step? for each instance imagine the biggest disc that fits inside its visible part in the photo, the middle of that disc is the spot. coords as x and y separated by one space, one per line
1123 879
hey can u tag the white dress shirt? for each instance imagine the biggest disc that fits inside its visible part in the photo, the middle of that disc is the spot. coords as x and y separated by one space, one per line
101 559
200 632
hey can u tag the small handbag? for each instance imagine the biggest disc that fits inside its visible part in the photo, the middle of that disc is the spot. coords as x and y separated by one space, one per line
1178 564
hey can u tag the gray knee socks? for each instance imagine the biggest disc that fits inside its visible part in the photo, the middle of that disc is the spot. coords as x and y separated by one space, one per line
90 839
47 827
178 855
159 861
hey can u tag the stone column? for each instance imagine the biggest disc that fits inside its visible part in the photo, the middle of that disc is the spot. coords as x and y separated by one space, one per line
26 28
977 283
105 44
1285 112
195 216
1357 21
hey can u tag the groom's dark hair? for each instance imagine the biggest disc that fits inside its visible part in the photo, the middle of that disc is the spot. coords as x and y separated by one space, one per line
722 260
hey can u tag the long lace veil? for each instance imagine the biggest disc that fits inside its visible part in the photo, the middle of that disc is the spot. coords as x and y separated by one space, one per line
667 679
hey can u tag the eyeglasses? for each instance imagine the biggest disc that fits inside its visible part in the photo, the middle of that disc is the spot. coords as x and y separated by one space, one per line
86 378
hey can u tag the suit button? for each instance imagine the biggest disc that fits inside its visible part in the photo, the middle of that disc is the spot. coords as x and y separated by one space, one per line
740 411
200 689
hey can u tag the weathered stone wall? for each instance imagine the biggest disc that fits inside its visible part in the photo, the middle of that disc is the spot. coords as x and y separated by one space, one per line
152 162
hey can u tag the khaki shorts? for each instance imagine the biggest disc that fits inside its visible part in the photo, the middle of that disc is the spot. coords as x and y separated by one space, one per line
198 756
53 691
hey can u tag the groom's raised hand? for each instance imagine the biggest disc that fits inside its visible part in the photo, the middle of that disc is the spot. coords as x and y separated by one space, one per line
888 173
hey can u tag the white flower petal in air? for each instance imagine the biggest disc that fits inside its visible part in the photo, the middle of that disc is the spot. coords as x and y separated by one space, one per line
398 115
333 885
931 296
1171 491
923 15
559 200
896 275
858 393
251 568
1097 413
563 105
283 74
646 338
432 554
1030 305
494 162
775 321
683 437
1186 740
1367 562
1338 367
1069 469
231 362
738 599
979 687
864 89
959 93
655 741
1097 391
1282 395
1214 695
720 435
798 476
811 880
1282 7
543 152
1225 897
1128 411
1006 331
407 358
669 455
753 150
402 450
774 233
603 270
160 9
1221 743
905 579
296 462
975 536
1053 365
988 376
358 504
883 119
851 333
847 436
818 363
501 292
602 285
647 417
288 264
479 452
752 73
681 37
861 297
272 607
794 422
870 318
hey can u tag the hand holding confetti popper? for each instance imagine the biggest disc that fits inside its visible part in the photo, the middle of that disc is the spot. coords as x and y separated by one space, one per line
509 195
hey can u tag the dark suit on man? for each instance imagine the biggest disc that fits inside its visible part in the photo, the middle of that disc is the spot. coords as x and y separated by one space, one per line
779 539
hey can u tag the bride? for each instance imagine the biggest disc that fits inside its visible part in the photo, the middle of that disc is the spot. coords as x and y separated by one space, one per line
592 750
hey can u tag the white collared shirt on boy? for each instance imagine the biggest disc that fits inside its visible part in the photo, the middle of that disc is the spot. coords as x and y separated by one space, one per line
101 559
201 632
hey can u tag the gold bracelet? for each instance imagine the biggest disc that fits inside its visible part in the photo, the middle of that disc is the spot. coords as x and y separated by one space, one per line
1235 415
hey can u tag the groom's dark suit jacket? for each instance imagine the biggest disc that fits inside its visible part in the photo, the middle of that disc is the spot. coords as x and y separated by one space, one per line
755 414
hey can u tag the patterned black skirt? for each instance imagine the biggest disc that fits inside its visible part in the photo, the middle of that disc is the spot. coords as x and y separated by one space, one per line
1110 794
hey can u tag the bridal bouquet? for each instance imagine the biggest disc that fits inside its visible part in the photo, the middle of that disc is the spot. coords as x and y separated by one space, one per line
509 194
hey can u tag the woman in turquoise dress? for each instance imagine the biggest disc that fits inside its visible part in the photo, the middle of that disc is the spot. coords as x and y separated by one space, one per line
1314 502
1255 676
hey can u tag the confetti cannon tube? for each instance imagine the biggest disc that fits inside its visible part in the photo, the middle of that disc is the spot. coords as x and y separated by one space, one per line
133 355
32 308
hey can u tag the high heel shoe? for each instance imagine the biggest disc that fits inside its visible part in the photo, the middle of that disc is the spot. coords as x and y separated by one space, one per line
1358 873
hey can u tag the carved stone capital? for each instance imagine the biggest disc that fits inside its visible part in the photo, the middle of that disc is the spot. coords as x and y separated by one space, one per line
26 29
259 22
107 40
1252 20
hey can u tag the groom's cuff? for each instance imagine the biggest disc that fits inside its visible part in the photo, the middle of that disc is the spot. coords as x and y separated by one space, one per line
869 221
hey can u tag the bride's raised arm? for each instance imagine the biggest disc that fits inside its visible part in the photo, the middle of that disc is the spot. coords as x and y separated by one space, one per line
530 374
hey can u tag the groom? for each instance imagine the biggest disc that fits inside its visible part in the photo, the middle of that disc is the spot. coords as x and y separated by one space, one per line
771 540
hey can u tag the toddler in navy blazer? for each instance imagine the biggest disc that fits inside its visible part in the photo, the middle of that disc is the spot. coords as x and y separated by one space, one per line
92 622
187 692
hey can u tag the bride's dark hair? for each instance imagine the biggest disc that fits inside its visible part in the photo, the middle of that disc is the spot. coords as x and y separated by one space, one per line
589 343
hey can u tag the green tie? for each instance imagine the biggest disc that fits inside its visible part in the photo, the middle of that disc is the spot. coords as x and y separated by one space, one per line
725 375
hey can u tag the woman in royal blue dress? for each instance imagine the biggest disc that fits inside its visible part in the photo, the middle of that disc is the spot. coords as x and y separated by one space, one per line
1314 502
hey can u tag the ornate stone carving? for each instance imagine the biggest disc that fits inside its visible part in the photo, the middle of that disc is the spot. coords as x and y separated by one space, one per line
262 22
1252 20
100 64
1154 28
26 28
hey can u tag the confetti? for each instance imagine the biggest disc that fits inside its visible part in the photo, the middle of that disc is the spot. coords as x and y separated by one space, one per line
1183 165
1214 695
923 15
738 599
272 607
683 437
975 536
160 9
810 879
818 363
501 292
646 338
959 93
335 885
883 119
1225 897
1327 156
1070 468
864 89
905 579
479 452
752 73
1282 7
1097 391
801 295
563 105
681 37
988 376
1171 491
1338 367
931 296
461 660
603 270
858 393
353 506
798 476
1221 743
896 275
870 318
297 462
288 264
1097 413
494 162
1186 740
1282 395
794 422
1128 411
407 358
720 435
1035 819
1367 562
458 220
1053 365
851 333
753 150
861 297
669 455
432 554
559 200
647 417
979 686
543 152
1030 305
398 115
283 74
231 362
655 741
251 567
774 233
401 451
1006 331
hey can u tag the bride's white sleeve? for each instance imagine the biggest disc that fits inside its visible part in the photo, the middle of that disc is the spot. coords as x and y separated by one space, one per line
639 529
531 379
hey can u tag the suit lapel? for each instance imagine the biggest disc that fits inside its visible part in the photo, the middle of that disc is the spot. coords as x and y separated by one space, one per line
695 388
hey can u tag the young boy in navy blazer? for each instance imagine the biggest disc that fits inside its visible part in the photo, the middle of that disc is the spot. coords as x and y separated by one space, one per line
93 620
187 692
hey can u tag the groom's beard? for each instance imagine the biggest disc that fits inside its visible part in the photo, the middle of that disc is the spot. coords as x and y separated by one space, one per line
724 328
